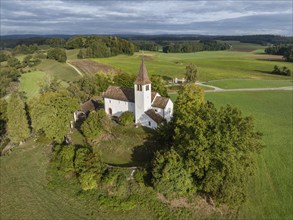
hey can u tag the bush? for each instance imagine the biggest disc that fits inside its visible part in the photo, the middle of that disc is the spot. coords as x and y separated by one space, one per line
126 118
57 54
284 71
95 124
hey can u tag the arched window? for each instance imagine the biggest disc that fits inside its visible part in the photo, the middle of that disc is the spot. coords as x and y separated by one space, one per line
110 111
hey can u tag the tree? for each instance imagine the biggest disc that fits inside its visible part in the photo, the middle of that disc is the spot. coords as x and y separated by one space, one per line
4 56
49 84
217 147
285 71
3 116
95 123
14 62
57 54
8 80
169 175
17 125
124 80
191 73
126 118
78 162
288 54
159 85
88 167
52 114
89 86
30 61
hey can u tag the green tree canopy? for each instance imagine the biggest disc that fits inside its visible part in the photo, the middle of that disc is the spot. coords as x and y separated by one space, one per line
126 118
169 174
57 54
79 162
191 73
17 125
89 86
52 114
3 117
14 62
124 80
95 123
159 85
217 147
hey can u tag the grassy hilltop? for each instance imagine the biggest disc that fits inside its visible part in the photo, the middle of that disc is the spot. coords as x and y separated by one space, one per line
24 189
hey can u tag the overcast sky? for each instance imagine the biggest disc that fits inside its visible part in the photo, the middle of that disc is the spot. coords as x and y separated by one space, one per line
221 17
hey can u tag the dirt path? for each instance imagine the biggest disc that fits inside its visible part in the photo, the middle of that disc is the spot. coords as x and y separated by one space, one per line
289 88
217 89
77 70
213 87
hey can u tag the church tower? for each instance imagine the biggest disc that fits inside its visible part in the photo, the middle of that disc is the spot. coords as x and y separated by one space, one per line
142 92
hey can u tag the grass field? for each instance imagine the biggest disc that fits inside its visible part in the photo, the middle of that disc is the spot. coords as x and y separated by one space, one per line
211 64
235 84
60 71
24 190
30 83
270 191
25 194
72 54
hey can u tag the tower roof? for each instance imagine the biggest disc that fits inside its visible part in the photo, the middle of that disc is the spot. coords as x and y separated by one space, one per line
142 77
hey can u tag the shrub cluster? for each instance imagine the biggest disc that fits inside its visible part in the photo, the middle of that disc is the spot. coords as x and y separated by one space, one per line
284 71
126 118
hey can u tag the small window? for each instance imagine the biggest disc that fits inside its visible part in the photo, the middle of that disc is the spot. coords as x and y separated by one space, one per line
139 87
149 123
147 87
109 101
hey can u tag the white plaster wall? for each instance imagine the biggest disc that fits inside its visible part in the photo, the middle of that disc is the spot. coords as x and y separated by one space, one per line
159 110
143 101
168 111
144 121
118 107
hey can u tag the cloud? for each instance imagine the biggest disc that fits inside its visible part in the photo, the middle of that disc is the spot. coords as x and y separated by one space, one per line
151 17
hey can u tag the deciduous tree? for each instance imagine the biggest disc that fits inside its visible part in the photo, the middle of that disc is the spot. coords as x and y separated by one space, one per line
17 125
217 147
95 123
159 85
191 73
52 114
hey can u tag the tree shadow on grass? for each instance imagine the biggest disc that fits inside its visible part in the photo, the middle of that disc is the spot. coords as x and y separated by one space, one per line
267 72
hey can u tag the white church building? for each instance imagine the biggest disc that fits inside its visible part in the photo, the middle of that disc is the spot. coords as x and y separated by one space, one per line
149 108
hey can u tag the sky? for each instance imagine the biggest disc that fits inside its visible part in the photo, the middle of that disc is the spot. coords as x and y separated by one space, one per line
218 17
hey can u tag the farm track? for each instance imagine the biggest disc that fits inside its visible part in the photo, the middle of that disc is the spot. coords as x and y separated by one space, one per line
289 88
217 89
77 70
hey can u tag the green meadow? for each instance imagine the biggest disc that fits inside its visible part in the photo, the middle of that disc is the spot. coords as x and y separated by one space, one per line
60 71
246 83
270 190
30 83
26 194
212 65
